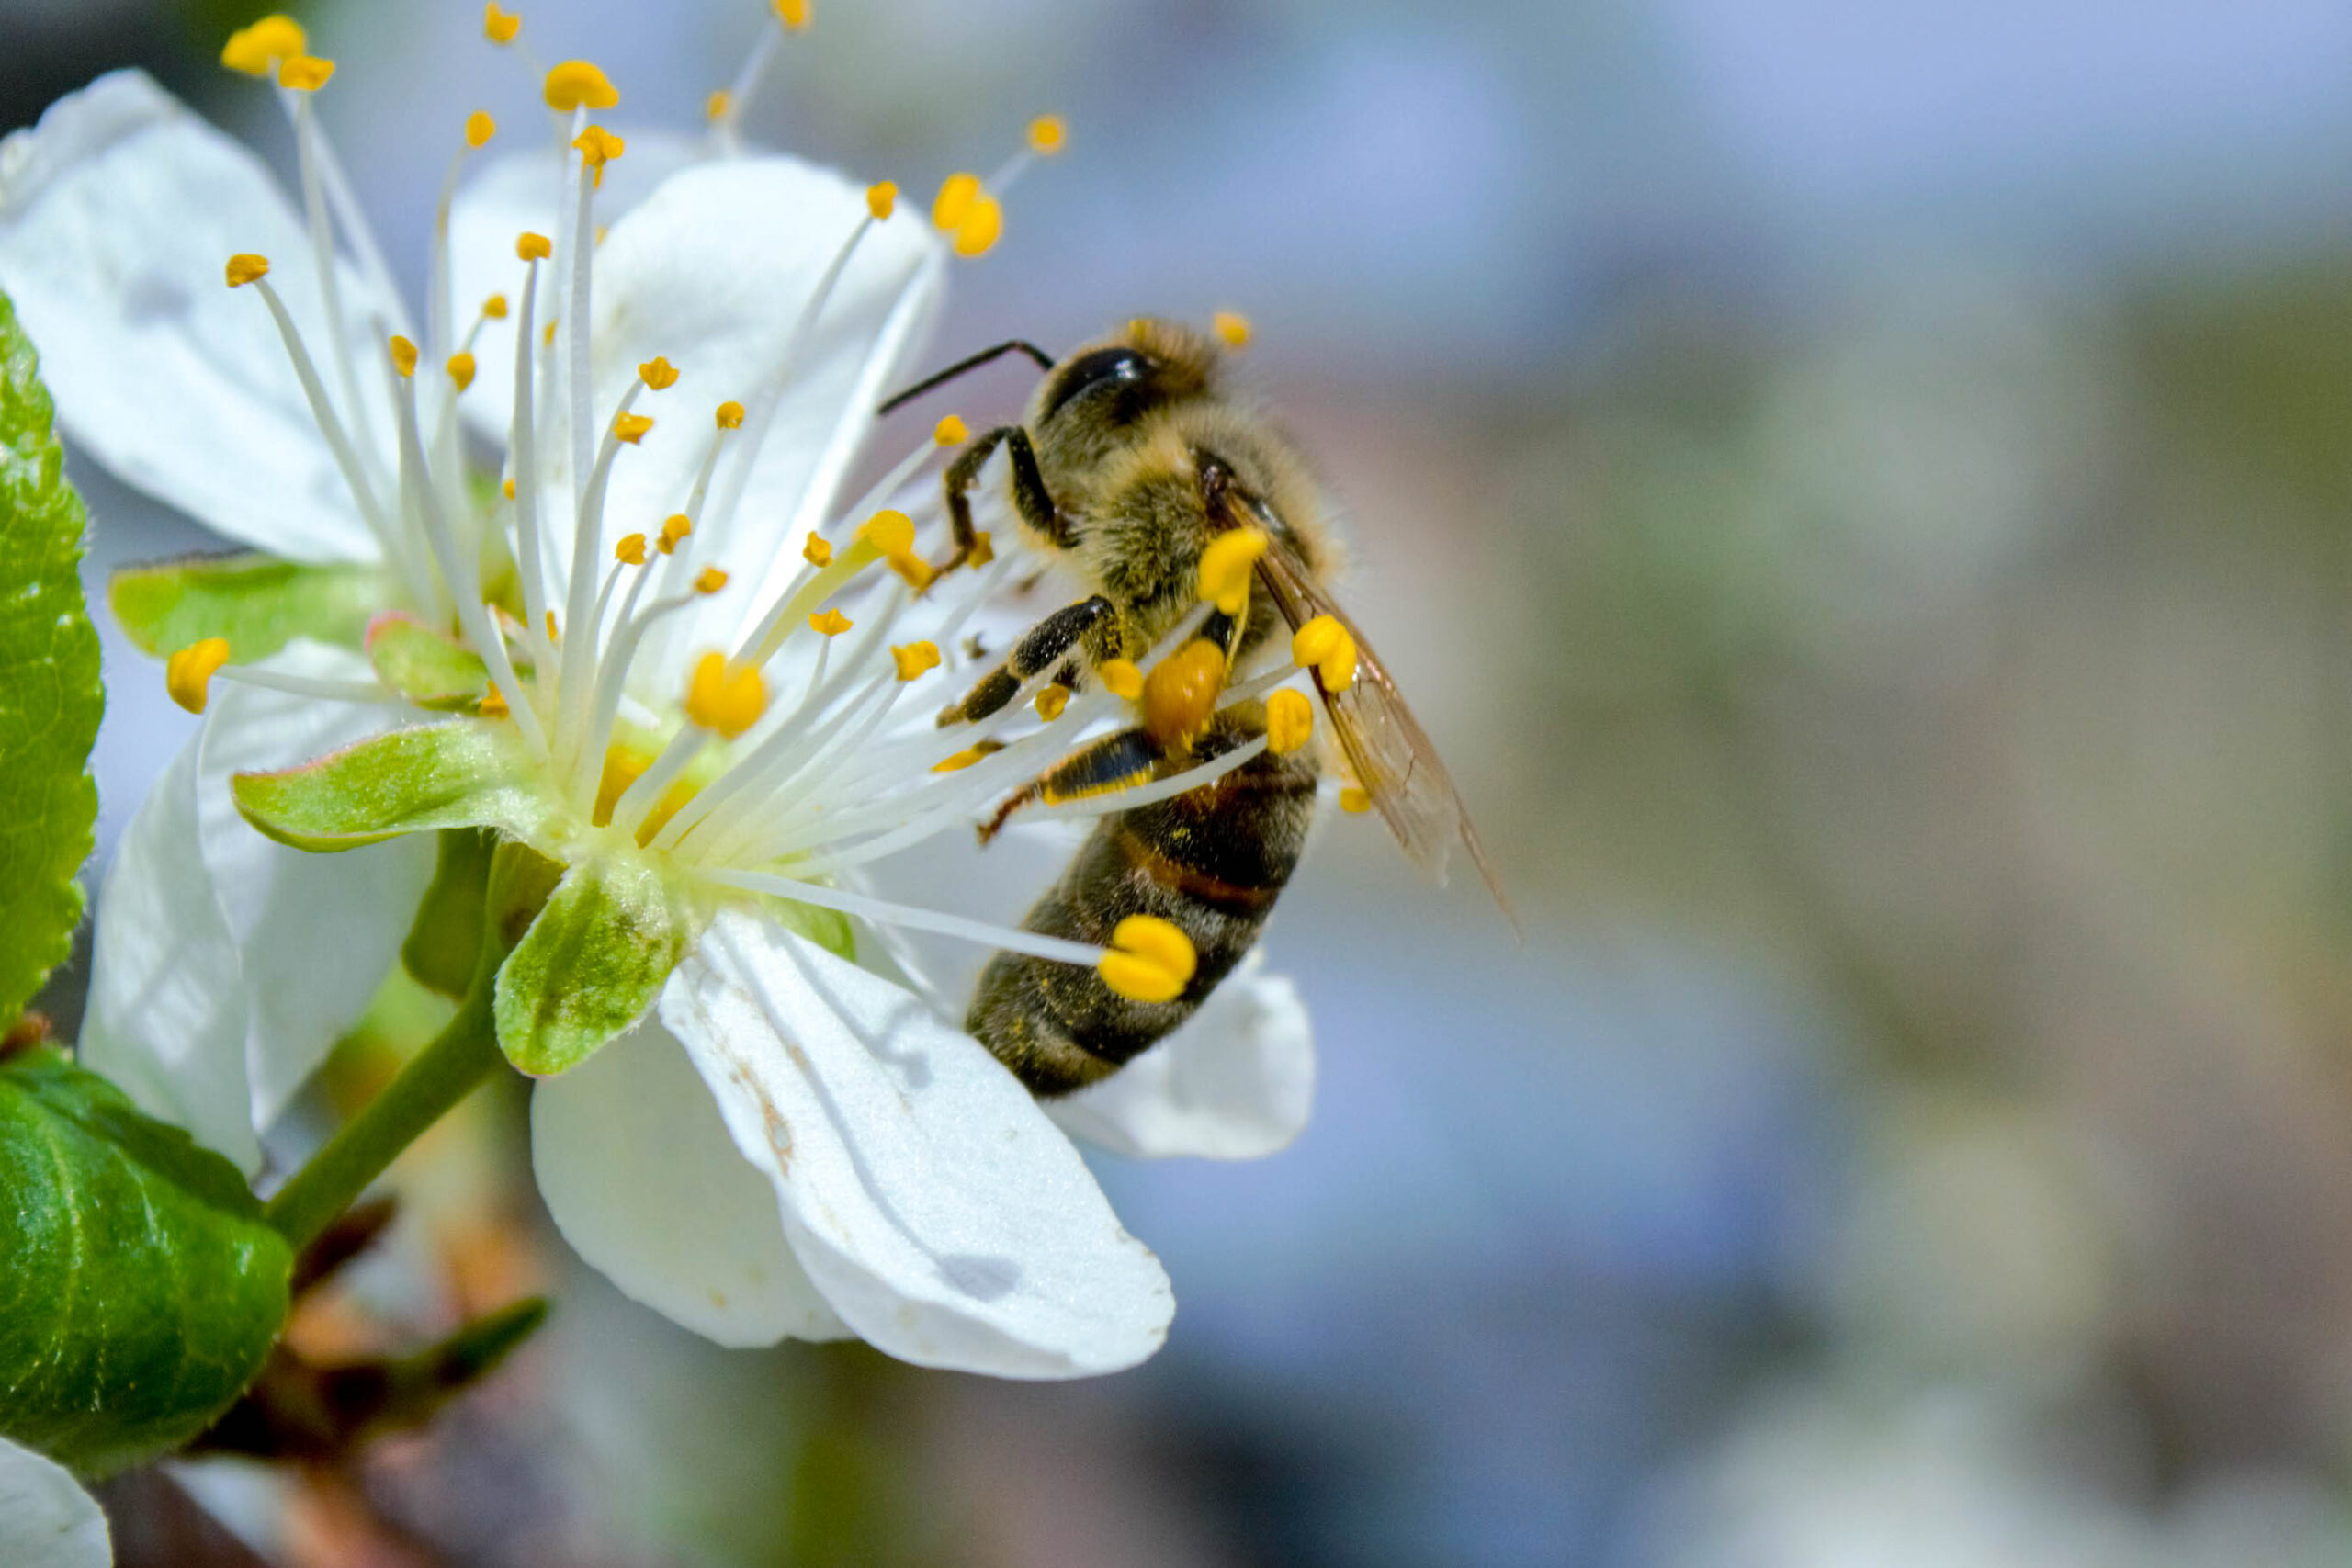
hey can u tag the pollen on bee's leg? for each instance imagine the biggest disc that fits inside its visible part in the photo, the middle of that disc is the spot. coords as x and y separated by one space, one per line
1051 700
187 674
1121 679
1182 690
1150 960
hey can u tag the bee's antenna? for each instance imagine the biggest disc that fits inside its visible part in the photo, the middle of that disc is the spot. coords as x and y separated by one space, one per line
1045 362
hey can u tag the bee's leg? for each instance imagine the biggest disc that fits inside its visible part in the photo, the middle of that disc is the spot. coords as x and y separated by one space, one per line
1030 497
1116 761
1039 645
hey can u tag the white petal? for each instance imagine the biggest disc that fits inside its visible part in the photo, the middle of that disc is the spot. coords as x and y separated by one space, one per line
644 1182
1236 1082
118 214
948 1222
513 192
46 1519
225 966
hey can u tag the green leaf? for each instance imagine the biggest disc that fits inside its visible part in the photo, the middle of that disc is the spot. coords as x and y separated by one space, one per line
467 775
590 965
50 695
430 669
143 1287
445 943
258 602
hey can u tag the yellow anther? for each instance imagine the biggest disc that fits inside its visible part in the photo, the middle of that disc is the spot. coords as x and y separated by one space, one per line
631 551
674 529
715 107
710 581
977 234
306 73
575 83
492 704
500 27
403 355
1046 134
914 572
723 697
1225 566
816 552
1290 721
461 369
532 247
553 635
1150 960
953 202
658 373
597 147
244 266
913 657
1122 679
1330 648
479 128
830 623
962 760
881 199
889 532
187 674
1355 800
950 431
1233 327
253 50
547 335
1338 673
508 486
731 415
793 14
1051 700
983 548
495 307
1180 692
631 427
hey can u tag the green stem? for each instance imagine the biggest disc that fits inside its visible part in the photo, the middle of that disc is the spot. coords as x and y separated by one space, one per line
432 1083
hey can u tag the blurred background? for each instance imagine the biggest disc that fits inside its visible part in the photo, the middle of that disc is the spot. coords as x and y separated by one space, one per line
1862 493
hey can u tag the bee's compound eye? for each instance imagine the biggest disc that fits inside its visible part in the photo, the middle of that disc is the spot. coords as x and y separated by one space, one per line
1088 372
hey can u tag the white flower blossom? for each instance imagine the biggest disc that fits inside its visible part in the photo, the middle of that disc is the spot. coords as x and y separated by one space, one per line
680 670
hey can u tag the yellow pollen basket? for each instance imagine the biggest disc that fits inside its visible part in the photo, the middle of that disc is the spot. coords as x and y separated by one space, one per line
187 674
1233 327
723 698
500 27
575 85
631 551
532 247
461 369
1290 721
710 581
1047 134
913 657
1225 566
793 14
731 415
1150 960
816 552
950 431
1330 648
1122 679
255 48
244 267
828 623
658 374
480 128
674 529
631 427
1051 700
881 199
305 73
403 355
1180 692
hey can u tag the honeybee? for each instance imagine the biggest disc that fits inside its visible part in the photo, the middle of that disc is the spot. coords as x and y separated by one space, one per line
1133 460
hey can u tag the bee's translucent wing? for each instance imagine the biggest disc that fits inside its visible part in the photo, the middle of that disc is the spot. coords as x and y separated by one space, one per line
1385 747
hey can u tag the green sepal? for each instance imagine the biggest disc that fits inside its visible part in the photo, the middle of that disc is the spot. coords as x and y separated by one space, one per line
50 695
142 1288
466 774
590 965
430 669
257 602
445 941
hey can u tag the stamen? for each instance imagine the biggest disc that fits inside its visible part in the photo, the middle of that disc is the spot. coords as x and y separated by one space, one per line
715 107
1010 938
255 50
363 492
500 27
881 199
187 674
1328 645
1290 721
950 431
1233 327
1052 701
480 128
403 355
532 247
461 369
598 147
816 551
953 202
631 427
576 84
529 563
1121 679
731 415
793 14
631 551
658 373
726 698
245 267
305 73
674 530
1355 800
1150 960
710 581
1046 134
828 623
913 658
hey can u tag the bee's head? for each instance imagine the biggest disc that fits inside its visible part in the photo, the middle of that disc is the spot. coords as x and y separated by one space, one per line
1116 380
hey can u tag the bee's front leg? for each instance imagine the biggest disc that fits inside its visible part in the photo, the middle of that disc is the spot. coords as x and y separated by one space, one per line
1089 622
1030 497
